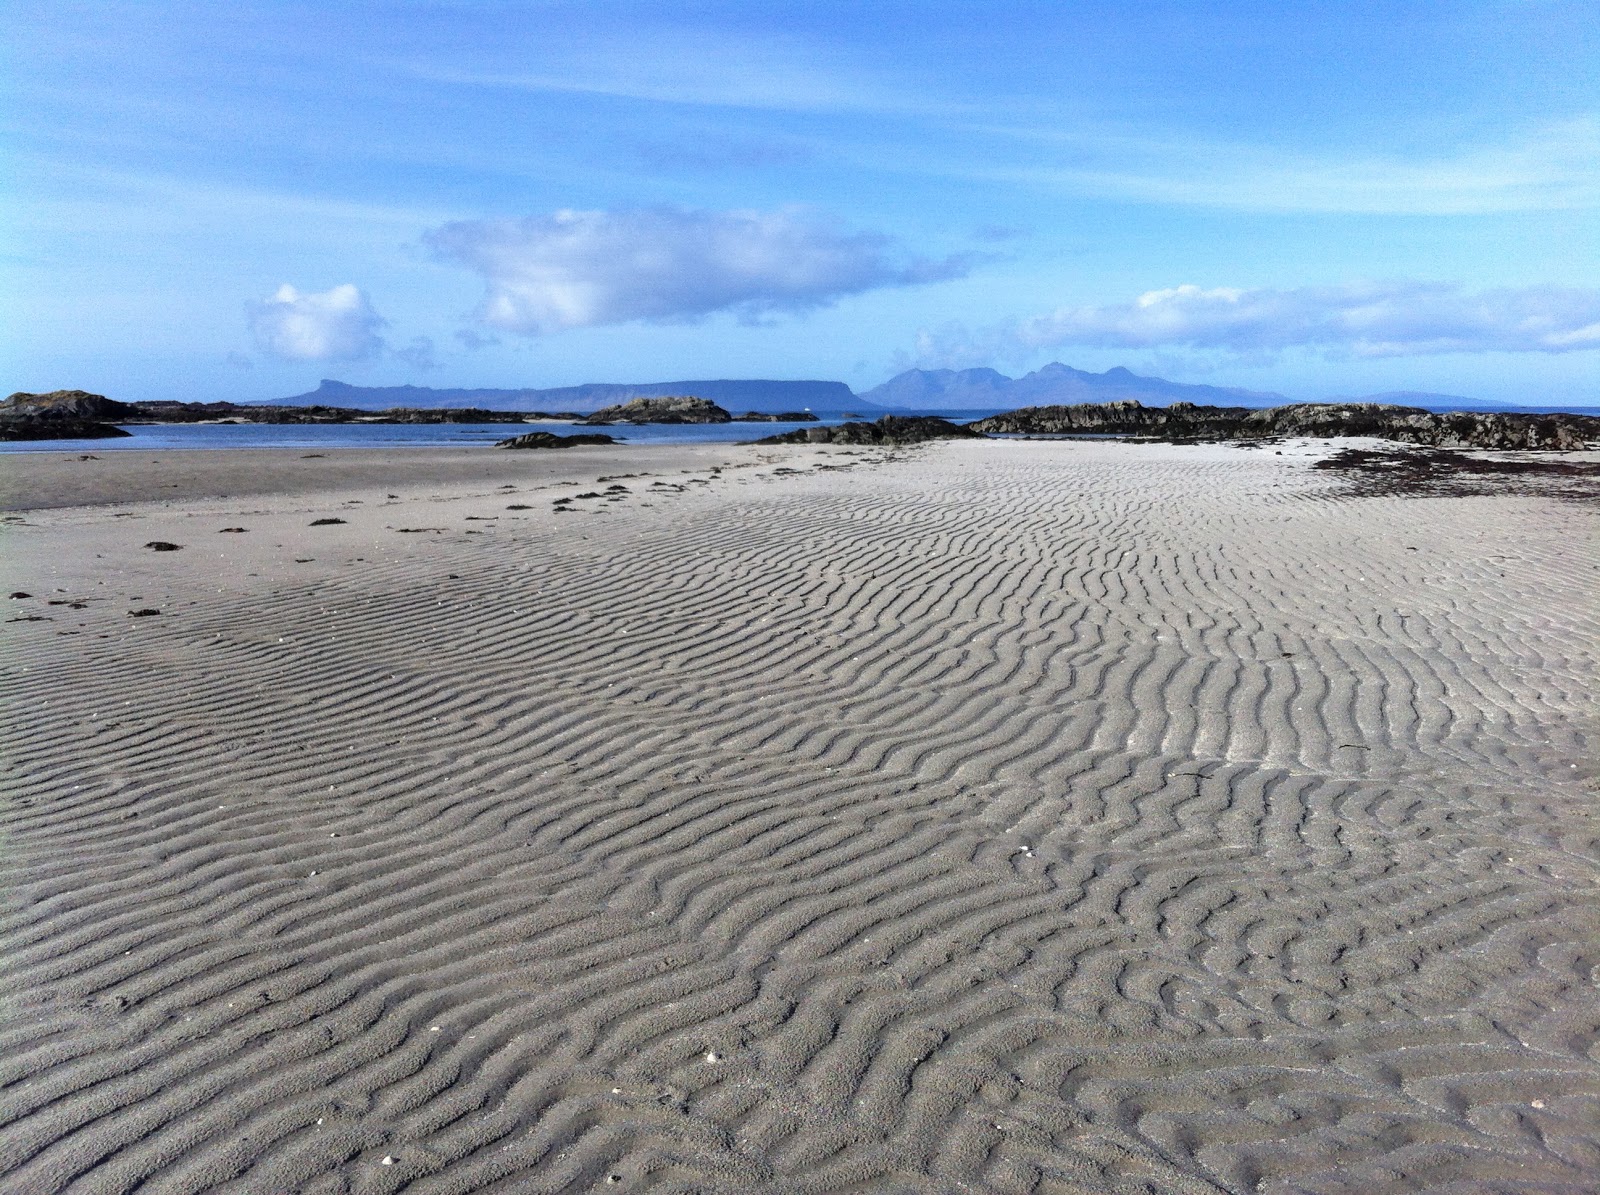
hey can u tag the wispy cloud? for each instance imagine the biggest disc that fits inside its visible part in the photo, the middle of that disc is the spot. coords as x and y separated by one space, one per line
771 71
573 269
1390 319
1555 167
332 325
419 354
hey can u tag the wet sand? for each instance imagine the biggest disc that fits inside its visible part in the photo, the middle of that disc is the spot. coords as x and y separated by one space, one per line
997 817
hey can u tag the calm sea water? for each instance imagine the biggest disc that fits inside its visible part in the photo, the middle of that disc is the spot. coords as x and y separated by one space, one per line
413 435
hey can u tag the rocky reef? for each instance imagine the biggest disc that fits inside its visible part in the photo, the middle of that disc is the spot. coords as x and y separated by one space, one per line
164 411
891 429
551 440
673 409
782 417
61 415
1411 425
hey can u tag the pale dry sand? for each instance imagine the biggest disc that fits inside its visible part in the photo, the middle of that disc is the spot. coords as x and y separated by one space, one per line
1002 817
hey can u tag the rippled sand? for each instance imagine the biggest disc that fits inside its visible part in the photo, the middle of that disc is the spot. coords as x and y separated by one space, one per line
1000 817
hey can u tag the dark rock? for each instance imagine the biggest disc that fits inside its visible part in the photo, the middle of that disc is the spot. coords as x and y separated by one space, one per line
551 440
50 426
147 612
1184 421
325 522
785 417
161 545
65 404
891 429
674 409
17 594
453 415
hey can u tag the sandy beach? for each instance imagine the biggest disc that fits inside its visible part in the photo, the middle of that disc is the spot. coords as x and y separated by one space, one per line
979 817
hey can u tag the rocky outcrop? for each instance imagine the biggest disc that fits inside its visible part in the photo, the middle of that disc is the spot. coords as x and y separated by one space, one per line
891 429
674 409
551 440
61 415
65 404
1412 425
783 417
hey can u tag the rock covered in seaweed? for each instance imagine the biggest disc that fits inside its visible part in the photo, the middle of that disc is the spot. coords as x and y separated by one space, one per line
673 409
551 440
1413 425
62 415
891 429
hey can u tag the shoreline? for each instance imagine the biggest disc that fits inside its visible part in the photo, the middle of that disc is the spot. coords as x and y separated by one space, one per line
46 480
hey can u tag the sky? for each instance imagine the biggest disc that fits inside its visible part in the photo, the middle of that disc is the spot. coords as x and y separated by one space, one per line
204 201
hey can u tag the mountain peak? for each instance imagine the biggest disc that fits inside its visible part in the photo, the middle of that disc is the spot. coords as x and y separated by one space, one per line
1054 384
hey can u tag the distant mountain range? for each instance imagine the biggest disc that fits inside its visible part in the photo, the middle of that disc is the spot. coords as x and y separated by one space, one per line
738 396
916 389
1054 384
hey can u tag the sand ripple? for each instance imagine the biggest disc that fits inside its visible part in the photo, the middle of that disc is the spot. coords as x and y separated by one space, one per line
1016 818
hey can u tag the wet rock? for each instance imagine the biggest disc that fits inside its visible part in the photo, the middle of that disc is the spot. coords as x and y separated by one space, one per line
62 415
551 440
1184 421
674 409
891 429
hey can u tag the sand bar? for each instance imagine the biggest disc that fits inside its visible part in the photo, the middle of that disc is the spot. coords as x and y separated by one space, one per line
998 817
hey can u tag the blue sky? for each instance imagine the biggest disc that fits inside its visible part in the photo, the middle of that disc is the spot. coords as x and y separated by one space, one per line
206 201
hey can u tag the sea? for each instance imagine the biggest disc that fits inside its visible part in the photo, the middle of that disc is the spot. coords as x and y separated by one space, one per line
215 436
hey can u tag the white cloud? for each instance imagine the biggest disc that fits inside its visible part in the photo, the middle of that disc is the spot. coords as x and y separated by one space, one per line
331 325
1390 319
574 269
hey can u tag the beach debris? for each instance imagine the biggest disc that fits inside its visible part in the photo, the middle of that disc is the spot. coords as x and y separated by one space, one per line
519 506
232 530
325 522
161 545
144 612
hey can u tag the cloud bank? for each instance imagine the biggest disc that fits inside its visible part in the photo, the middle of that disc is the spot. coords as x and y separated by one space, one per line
331 325
575 269
1394 319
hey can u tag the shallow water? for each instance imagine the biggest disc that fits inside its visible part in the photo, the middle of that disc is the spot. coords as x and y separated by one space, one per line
416 435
